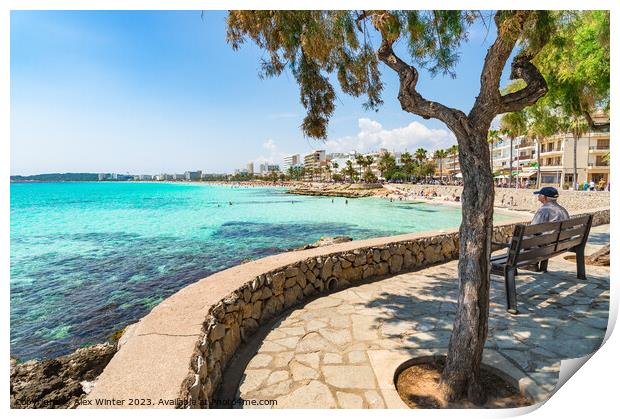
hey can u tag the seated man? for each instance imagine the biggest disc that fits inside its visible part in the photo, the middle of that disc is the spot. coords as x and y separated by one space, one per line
550 211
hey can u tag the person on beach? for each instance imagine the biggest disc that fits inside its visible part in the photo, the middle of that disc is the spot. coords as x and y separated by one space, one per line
550 211
346 202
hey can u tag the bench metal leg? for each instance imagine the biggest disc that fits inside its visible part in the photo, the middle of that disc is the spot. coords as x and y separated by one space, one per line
511 290
543 265
581 263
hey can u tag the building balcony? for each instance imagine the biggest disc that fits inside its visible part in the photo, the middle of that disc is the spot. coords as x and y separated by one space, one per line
595 149
558 167
551 152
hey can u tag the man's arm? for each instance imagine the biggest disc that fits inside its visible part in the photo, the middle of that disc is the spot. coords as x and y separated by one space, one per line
541 216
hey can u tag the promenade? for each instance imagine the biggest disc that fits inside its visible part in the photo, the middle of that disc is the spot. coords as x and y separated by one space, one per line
341 350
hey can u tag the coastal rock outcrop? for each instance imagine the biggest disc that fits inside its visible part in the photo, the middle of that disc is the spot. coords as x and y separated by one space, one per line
60 382
326 241
344 190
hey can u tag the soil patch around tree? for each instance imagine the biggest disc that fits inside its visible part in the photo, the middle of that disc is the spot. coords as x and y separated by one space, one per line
418 387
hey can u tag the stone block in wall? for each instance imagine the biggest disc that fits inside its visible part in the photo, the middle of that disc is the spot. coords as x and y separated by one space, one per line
310 276
360 260
292 295
408 259
376 255
300 279
291 271
290 282
385 255
217 332
396 263
326 270
277 282
344 262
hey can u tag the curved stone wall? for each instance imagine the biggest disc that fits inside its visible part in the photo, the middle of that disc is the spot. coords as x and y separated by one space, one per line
175 356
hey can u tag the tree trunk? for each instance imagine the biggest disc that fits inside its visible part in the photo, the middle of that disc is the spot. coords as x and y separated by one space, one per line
510 165
461 375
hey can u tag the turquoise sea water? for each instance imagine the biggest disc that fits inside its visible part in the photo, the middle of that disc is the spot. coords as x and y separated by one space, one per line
90 258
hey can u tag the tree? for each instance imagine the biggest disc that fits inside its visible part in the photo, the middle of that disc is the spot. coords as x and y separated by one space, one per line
576 65
315 44
349 171
439 155
542 123
577 125
386 164
420 155
513 124
493 138
361 163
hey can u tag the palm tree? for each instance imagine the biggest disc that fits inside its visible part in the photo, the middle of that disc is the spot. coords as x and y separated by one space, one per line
493 138
440 155
349 170
335 166
513 124
361 161
541 124
420 154
577 126
386 163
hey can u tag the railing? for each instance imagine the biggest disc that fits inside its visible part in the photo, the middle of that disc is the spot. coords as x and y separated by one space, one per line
600 147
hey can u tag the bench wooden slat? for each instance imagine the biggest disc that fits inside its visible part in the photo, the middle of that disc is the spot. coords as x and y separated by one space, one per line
571 232
546 251
541 228
583 220
567 244
544 239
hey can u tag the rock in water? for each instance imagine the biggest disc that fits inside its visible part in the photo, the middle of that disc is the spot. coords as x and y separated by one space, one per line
326 241
57 383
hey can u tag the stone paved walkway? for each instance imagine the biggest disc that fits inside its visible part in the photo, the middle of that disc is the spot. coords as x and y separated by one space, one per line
320 354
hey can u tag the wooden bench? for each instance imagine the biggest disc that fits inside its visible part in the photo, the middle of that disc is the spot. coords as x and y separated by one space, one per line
533 244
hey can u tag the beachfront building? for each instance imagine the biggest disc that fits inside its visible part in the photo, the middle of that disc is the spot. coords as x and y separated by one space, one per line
143 177
314 164
192 176
293 161
250 168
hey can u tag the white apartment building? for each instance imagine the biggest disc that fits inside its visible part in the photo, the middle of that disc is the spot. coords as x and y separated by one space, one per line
292 161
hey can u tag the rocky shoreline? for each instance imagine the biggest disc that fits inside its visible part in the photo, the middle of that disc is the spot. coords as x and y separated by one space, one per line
346 190
58 383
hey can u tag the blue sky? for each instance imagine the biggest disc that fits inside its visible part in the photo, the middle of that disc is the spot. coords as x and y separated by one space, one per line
152 92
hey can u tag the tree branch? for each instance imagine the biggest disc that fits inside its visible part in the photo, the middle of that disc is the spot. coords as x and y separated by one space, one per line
412 101
536 86
487 103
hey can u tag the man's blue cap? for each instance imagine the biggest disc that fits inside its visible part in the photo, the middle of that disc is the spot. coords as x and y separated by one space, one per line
548 191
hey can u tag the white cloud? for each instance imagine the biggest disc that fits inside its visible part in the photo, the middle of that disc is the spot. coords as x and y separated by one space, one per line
372 136
273 154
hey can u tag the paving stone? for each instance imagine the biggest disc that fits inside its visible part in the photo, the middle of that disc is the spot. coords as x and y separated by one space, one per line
277 376
252 380
374 399
349 376
282 359
289 342
311 359
349 400
313 342
260 361
337 337
302 372
269 346
364 328
314 395
357 357
315 325
332 358
293 331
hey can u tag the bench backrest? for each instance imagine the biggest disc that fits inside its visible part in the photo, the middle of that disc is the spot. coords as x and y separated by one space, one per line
533 243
